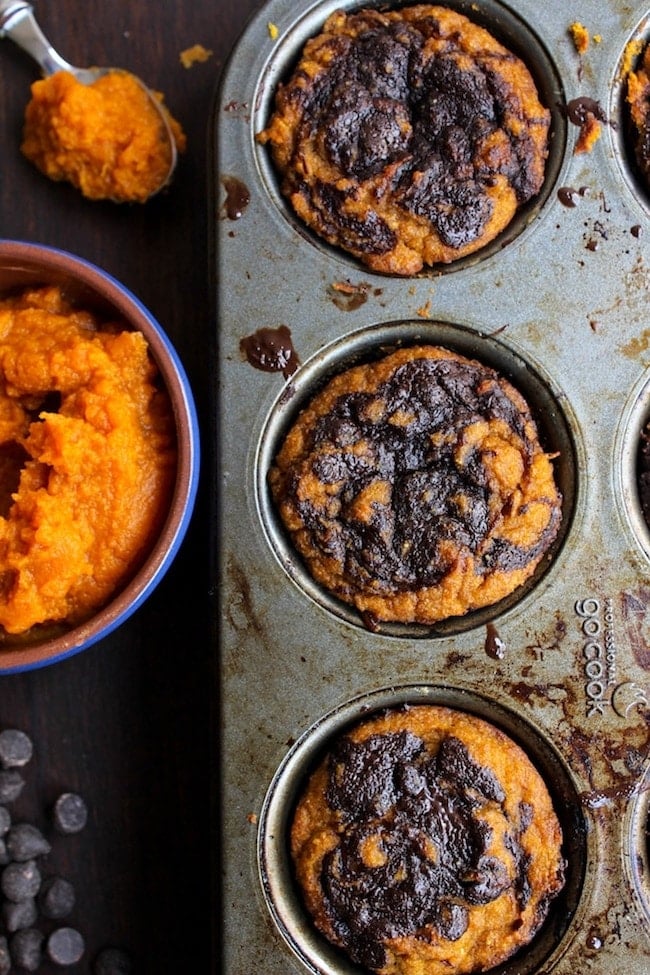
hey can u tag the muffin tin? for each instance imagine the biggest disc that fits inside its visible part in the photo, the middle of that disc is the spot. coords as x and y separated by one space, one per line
557 304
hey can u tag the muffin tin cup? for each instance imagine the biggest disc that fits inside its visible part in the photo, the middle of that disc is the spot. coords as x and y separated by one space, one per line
555 428
276 877
558 306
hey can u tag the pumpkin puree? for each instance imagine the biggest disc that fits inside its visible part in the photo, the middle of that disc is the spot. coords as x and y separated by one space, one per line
104 138
87 459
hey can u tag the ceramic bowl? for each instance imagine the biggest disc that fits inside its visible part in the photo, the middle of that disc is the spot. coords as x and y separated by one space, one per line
25 265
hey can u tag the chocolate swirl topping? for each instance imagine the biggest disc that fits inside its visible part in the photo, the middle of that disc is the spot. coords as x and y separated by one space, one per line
385 104
413 849
407 435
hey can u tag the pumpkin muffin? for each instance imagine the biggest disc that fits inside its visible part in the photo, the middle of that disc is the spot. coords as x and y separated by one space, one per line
643 473
415 487
408 137
638 100
426 844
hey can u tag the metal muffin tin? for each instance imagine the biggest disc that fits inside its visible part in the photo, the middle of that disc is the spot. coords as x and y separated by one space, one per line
558 304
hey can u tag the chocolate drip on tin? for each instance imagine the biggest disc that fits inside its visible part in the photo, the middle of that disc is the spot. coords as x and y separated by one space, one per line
237 197
494 645
271 350
579 109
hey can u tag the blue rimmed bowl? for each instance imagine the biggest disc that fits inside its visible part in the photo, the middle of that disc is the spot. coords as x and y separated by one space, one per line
25 265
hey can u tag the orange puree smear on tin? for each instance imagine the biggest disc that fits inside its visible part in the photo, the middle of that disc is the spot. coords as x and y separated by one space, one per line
106 138
87 459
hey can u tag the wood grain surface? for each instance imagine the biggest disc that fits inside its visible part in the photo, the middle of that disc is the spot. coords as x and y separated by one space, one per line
127 723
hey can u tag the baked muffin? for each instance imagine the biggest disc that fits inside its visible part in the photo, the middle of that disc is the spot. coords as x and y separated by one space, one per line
643 473
426 844
415 487
408 137
638 101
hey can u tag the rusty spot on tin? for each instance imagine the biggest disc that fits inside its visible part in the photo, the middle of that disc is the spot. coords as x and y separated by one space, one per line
599 798
456 659
634 606
239 610
524 692
347 296
551 640
636 346
236 108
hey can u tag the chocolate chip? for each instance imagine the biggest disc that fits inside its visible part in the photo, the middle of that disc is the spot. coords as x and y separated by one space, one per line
5 820
5 957
11 785
65 946
19 914
25 842
20 880
26 948
112 961
15 748
56 898
28 903
70 813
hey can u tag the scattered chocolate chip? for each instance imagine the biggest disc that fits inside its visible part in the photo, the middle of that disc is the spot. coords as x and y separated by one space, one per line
20 880
25 897
26 949
56 898
26 842
15 748
5 820
112 961
5 957
11 785
65 946
19 914
70 813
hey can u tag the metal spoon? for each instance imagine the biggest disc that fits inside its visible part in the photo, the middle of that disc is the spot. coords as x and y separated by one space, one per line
17 22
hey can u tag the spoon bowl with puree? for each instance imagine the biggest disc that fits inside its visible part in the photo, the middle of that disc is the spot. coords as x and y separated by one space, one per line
137 153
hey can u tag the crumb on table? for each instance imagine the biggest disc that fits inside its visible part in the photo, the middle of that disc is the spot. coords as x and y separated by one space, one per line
580 37
590 132
194 55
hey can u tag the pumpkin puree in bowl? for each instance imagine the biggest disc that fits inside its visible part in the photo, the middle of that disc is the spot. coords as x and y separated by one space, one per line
87 459
104 138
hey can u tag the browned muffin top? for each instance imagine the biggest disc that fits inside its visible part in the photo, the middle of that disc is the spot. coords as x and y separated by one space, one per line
427 842
409 136
415 487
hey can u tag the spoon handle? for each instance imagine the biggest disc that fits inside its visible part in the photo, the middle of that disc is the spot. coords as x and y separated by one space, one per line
17 22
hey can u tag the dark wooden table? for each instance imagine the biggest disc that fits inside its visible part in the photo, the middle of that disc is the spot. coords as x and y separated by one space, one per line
127 722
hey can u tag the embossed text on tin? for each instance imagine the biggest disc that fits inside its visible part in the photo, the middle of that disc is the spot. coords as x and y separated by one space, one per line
598 651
